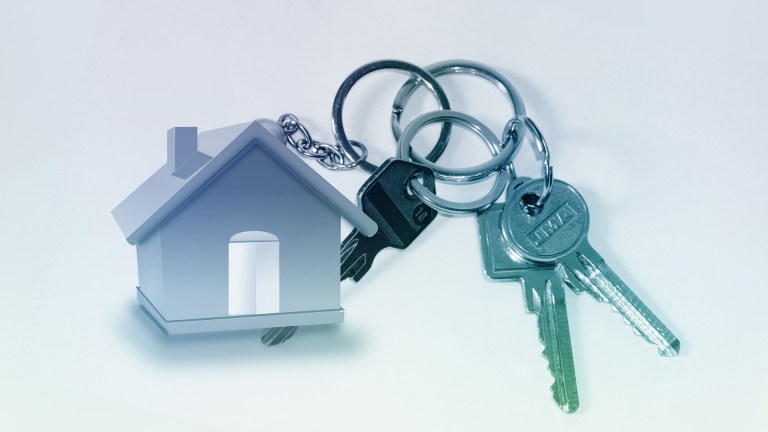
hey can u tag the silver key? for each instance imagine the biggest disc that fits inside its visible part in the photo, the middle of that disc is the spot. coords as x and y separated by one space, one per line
544 296
558 234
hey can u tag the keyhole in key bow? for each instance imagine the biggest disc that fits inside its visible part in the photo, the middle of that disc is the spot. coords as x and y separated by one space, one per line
419 177
529 202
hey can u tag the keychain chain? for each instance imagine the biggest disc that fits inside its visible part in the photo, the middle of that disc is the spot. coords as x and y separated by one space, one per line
328 155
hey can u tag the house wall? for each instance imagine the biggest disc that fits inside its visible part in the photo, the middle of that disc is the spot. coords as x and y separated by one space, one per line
254 193
150 259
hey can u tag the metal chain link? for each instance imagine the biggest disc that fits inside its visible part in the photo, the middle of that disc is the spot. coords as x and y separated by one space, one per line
328 155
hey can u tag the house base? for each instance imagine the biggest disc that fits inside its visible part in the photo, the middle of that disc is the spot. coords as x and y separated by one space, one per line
239 322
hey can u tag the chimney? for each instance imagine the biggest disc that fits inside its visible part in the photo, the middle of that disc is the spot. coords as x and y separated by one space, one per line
182 145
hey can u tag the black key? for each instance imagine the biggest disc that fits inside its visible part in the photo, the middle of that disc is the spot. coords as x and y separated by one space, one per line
401 217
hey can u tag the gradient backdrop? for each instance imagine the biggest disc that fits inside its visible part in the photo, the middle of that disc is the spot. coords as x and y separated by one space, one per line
655 111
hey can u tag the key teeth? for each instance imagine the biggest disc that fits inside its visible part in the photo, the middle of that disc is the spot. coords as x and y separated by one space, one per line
355 269
597 296
672 350
558 393
347 248
277 335
558 389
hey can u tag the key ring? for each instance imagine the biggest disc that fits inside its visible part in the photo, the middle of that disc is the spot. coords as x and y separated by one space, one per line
533 203
501 162
502 153
443 68
338 104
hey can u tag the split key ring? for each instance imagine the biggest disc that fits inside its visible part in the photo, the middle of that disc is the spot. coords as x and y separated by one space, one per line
463 67
499 164
421 77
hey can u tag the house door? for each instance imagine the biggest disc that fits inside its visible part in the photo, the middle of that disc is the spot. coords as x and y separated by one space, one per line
254 273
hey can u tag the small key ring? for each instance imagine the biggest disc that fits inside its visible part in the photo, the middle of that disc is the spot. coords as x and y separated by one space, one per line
502 153
341 95
509 135
443 68
502 161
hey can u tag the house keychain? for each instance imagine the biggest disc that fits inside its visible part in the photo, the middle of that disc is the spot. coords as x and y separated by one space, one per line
221 248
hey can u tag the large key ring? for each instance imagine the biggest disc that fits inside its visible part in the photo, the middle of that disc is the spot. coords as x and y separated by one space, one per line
534 203
338 104
443 68
500 162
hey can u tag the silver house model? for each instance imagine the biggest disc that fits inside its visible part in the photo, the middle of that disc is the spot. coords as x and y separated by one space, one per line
236 232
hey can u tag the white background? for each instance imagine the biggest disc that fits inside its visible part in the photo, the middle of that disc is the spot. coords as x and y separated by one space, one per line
655 111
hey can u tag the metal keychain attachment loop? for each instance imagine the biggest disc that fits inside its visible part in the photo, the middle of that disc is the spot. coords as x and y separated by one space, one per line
328 155
421 75
443 68
337 160
510 135
500 164
304 145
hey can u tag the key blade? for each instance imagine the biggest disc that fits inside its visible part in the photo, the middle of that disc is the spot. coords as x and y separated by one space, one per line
357 254
355 268
277 335
605 285
349 244
577 281
545 296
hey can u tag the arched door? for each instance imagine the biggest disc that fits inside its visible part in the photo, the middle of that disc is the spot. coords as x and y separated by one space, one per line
254 273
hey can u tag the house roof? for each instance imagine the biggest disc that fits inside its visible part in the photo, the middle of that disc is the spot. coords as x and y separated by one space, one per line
157 198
